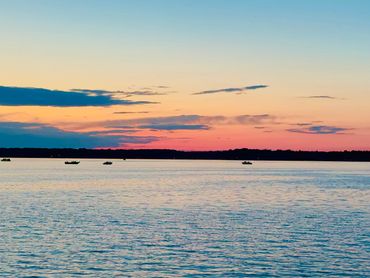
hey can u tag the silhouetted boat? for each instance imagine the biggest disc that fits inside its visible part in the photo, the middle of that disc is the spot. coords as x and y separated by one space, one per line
247 163
72 162
108 163
6 160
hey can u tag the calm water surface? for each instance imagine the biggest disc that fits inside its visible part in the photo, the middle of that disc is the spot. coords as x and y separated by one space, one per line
162 218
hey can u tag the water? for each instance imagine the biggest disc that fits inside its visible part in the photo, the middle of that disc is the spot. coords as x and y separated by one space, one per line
142 218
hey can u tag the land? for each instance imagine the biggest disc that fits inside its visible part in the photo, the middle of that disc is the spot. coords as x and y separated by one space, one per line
235 154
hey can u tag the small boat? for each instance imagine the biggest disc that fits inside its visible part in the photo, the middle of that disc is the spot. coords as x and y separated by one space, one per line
108 163
247 163
72 162
6 160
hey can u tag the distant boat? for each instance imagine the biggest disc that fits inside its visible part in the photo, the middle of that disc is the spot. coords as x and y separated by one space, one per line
72 162
108 163
247 163
6 160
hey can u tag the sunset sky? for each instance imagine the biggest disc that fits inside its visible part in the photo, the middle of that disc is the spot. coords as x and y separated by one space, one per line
185 74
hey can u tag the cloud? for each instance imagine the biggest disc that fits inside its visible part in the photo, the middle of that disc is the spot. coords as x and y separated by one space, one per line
180 119
113 131
140 93
179 122
302 124
319 129
321 97
131 112
308 123
20 96
174 127
239 120
35 135
255 119
163 87
144 92
232 90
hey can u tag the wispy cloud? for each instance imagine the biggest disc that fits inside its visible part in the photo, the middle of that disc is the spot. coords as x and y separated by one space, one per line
174 127
36 135
247 119
131 112
302 124
255 119
232 90
321 97
181 122
113 131
178 122
140 93
319 129
121 93
21 96
162 87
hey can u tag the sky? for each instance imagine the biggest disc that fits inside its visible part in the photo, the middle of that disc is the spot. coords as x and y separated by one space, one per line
185 74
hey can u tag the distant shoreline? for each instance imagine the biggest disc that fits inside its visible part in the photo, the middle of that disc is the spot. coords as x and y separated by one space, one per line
235 154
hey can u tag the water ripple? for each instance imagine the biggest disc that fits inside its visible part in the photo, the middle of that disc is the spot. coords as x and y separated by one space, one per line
184 219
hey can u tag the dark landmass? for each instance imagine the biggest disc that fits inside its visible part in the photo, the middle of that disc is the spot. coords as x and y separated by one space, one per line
237 154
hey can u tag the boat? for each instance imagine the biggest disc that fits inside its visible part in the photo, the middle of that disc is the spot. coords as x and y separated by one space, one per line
6 160
72 162
108 163
247 163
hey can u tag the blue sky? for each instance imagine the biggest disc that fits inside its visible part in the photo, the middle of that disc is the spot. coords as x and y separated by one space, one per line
202 34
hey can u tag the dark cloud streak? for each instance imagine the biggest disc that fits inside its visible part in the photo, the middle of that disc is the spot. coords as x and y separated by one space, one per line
319 129
174 127
21 96
179 122
36 135
321 97
131 112
232 90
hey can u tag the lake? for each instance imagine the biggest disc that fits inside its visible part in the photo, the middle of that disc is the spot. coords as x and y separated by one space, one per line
172 218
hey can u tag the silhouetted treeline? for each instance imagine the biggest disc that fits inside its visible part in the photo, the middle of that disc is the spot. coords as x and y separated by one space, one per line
237 154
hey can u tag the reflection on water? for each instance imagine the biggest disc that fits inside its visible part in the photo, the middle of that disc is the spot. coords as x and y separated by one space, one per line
144 218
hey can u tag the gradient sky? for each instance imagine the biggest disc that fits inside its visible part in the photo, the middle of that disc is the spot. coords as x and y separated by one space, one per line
185 74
